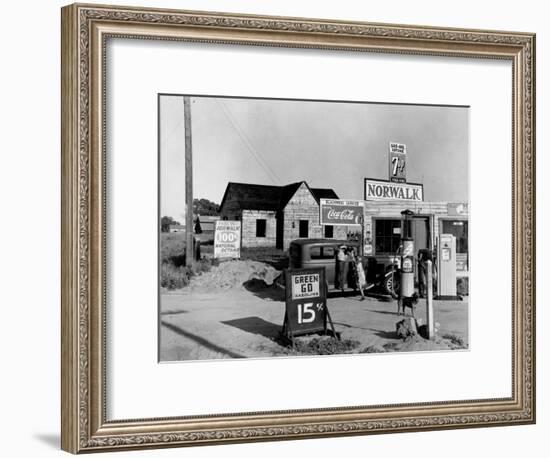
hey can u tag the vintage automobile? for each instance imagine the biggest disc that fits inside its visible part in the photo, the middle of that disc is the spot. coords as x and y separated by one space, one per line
322 253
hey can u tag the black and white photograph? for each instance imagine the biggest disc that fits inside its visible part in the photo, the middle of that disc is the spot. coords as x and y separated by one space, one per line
276 228
311 227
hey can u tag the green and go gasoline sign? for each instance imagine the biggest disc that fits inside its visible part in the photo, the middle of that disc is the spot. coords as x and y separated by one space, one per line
306 302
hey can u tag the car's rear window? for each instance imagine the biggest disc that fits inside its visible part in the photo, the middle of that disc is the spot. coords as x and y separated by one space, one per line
328 252
321 252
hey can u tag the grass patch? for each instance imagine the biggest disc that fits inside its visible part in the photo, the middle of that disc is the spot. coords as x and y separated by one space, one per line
373 349
174 274
176 277
455 342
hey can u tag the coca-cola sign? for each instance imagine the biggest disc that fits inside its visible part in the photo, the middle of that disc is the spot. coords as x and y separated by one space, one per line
341 212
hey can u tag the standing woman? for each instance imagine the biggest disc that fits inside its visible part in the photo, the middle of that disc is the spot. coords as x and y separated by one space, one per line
361 276
358 272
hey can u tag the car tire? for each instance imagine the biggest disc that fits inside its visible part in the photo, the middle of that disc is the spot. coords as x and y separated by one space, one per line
392 284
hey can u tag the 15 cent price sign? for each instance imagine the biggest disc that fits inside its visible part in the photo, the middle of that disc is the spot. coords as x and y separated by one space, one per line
306 303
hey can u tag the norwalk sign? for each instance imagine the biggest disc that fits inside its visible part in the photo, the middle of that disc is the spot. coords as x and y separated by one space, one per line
386 190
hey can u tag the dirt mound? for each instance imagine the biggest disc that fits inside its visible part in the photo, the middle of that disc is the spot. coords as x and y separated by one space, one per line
418 343
322 345
234 274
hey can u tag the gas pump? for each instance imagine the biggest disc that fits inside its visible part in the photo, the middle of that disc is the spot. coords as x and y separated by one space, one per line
446 266
406 291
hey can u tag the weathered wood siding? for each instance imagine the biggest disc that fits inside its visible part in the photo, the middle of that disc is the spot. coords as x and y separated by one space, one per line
231 209
248 228
302 206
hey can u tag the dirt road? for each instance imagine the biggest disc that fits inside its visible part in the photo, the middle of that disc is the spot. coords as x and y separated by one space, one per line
238 323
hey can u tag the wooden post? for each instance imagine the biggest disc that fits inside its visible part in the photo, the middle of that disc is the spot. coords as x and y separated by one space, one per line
429 301
189 249
362 245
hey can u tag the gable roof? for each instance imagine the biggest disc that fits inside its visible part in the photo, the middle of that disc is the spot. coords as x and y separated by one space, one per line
287 192
321 193
252 196
270 198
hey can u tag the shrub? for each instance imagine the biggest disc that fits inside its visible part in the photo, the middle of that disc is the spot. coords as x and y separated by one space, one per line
172 277
204 265
172 249
323 346
176 276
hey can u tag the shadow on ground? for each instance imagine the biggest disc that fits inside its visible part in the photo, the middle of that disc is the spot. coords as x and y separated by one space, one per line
386 334
378 332
173 312
201 340
256 325
264 291
386 312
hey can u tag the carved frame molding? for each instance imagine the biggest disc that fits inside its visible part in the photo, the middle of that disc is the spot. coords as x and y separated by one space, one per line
85 29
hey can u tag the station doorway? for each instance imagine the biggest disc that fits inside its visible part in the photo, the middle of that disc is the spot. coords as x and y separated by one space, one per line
420 230
421 233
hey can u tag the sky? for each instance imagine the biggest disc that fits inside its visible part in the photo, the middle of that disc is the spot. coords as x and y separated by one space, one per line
328 144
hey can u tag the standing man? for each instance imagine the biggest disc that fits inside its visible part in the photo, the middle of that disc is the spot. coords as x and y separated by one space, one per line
342 267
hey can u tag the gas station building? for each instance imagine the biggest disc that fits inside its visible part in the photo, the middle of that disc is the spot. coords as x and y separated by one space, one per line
383 224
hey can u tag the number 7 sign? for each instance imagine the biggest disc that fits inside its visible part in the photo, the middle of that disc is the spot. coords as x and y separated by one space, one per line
398 172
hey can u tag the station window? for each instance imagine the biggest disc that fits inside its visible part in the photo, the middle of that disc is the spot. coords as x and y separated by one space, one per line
304 228
387 233
260 227
458 228
329 231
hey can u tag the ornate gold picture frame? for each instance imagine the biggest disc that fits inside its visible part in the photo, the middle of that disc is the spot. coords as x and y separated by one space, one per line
85 32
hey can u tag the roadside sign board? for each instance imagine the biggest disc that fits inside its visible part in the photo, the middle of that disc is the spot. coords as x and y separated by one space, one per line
306 302
398 161
398 148
377 190
227 239
338 212
305 286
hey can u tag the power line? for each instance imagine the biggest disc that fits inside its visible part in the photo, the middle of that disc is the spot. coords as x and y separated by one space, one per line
244 138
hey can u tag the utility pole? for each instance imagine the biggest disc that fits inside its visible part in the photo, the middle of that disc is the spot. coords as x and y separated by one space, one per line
189 249
429 301
362 244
